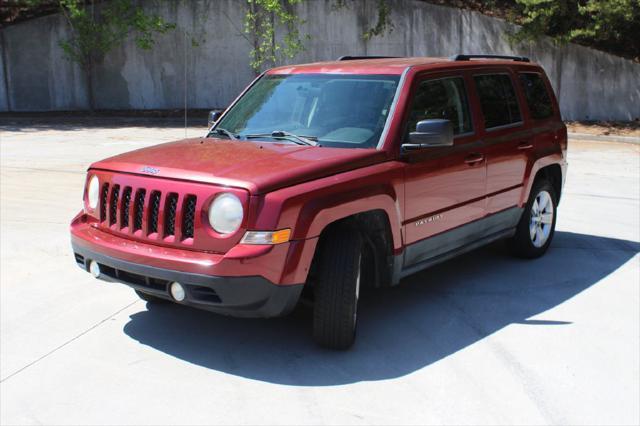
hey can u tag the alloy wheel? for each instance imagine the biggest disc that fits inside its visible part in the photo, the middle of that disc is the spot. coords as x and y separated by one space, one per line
541 221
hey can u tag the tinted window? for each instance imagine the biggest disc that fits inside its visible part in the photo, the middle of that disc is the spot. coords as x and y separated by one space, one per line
498 100
443 98
347 111
537 96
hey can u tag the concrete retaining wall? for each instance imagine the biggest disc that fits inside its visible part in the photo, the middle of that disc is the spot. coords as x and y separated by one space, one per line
590 84
38 76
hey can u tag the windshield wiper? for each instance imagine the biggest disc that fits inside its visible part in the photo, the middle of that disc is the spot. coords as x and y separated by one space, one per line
225 132
281 134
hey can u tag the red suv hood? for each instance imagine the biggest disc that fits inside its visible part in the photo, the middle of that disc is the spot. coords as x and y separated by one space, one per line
256 166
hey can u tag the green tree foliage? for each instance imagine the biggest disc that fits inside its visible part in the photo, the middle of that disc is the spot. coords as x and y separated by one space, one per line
96 32
383 24
96 29
263 17
100 26
261 20
610 25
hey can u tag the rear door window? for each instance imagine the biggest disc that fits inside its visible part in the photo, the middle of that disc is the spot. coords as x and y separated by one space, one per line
538 99
443 98
498 100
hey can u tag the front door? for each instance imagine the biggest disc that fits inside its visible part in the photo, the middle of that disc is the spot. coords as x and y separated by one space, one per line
444 186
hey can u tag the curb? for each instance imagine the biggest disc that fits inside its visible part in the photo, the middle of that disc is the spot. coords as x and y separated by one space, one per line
603 138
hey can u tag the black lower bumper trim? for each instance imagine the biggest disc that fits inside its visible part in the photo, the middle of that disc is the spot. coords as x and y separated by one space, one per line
250 296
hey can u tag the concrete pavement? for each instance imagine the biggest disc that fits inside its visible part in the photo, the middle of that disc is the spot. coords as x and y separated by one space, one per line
482 339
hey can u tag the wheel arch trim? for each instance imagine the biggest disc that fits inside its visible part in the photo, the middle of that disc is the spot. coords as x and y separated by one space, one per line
548 164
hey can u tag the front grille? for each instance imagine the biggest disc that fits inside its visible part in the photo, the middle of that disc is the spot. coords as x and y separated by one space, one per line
203 294
113 204
188 216
155 211
136 207
124 211
136 279
197 293
79 259
170 214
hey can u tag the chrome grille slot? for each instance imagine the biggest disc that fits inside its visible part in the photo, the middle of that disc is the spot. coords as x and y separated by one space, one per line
188 216
170 207
103 202
154 205
124 211
113 204
138 209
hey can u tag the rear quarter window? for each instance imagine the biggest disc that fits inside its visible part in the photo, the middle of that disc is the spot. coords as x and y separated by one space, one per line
537 95
497 100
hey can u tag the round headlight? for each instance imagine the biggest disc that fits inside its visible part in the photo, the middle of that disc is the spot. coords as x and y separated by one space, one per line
93 192
225 213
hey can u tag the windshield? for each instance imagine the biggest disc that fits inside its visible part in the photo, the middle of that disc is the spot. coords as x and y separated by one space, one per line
331 110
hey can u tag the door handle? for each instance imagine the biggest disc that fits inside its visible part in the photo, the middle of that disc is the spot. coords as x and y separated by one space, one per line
525 145
474 158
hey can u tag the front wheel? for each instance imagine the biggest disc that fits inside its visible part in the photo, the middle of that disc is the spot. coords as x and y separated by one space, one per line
337 289
538 223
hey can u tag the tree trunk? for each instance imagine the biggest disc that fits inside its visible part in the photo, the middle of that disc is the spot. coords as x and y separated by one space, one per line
273 39
253 10
88 75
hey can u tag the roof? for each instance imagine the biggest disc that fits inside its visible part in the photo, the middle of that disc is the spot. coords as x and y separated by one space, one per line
387 66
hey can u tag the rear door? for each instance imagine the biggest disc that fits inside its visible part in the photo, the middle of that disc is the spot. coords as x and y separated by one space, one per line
542 113
444 186
508 140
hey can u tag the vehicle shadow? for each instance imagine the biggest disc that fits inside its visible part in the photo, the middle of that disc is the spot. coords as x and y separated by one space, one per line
431 315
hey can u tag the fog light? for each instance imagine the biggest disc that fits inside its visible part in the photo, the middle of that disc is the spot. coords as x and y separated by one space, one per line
94 268
177 292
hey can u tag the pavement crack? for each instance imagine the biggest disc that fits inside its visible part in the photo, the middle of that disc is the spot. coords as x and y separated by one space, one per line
96 325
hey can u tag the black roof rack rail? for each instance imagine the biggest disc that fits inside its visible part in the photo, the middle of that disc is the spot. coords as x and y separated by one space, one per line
469 57
354 58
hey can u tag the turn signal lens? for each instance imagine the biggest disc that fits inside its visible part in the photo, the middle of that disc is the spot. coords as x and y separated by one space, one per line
266 237
281 236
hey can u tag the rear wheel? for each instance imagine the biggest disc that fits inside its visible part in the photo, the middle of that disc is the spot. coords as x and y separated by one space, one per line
150 298
337 289
537 225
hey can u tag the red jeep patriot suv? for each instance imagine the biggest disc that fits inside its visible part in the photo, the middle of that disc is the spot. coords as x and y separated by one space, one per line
327 177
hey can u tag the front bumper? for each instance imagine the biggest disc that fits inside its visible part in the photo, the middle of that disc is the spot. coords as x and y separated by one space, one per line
250 296
282 264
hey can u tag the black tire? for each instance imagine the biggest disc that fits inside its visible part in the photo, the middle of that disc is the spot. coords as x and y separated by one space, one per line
150 298
336 288
522 244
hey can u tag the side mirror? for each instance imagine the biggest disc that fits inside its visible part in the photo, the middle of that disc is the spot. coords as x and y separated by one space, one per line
429 134
214 115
